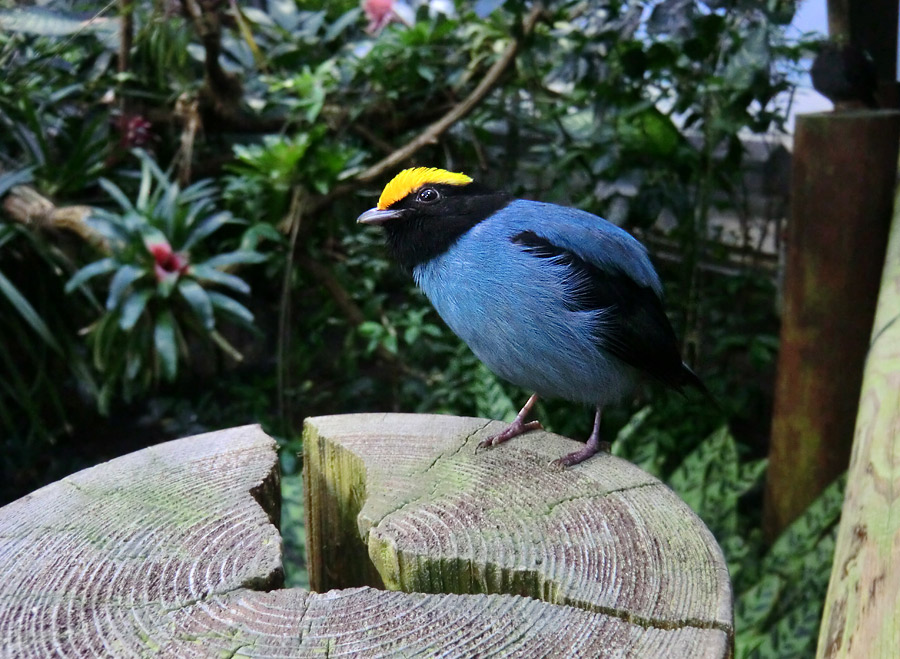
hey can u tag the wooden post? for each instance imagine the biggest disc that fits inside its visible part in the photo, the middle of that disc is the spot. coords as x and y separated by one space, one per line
862 609
409 496
872 27
844 171
173 551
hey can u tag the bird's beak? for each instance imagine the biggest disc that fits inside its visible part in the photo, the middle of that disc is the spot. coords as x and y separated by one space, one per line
378 216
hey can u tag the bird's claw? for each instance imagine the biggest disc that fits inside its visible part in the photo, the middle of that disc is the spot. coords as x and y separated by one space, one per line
563 463
513 430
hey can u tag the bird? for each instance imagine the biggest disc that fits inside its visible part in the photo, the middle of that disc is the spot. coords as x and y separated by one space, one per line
553 299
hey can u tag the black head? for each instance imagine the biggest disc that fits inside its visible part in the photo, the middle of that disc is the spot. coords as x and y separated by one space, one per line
425 211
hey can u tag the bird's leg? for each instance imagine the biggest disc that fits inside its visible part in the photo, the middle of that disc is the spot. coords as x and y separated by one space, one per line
516 428
592 447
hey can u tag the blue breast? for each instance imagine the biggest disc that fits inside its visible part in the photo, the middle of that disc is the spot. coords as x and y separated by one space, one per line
511 307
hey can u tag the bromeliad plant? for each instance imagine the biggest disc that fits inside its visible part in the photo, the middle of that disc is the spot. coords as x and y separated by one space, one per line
166 283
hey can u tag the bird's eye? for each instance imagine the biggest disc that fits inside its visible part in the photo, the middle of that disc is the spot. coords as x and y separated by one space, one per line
428 196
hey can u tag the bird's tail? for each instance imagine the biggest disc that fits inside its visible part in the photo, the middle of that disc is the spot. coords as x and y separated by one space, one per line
691 379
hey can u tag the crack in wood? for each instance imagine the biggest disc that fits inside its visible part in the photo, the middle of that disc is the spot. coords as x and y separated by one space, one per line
551 507
440 458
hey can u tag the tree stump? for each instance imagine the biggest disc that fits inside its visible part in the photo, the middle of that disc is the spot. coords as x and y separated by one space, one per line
405 502
173 551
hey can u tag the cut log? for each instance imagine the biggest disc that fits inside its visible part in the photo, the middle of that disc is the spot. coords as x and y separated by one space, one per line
172 551
364 622
97 563
862 608
405 501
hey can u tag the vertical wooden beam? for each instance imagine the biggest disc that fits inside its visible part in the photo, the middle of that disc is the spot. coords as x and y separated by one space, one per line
844 171
871 26
862 609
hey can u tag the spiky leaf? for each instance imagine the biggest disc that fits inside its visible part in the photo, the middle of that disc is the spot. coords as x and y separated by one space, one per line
89 271
198 299
165 343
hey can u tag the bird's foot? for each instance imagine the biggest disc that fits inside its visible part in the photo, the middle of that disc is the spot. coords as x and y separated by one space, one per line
514 429
580 456
591 447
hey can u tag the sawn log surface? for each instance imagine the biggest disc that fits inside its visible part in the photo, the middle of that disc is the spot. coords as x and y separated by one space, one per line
173 551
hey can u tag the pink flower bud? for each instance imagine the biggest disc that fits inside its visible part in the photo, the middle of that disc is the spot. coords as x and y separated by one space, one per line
161 251
379 13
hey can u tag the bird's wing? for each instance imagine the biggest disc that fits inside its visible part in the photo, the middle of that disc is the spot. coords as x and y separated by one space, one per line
634 326
591 238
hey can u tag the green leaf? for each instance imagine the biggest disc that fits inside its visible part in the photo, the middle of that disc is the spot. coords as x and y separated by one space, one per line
124 277
493 401
753 607
230 306
116 193
104 398
7 233
110 229
232 258
251 236
55 23
165 344
795 633
709 482
28 312
650 132
133 365
205 273
426 72
150 235
201 192
166 206
102 338
89 271
133 307
807 530
11 179
166 285
346 20
198 299
208 226
148 161
146 183
369 329
642 444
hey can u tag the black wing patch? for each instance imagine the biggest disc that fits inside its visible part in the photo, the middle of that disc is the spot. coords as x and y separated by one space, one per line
637 330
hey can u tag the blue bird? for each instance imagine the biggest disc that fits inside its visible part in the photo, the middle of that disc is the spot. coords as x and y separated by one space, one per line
553 299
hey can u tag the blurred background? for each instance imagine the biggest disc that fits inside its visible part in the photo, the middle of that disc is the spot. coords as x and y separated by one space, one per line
180 179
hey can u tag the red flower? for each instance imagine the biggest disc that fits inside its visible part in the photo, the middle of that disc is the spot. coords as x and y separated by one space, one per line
167 262
134 129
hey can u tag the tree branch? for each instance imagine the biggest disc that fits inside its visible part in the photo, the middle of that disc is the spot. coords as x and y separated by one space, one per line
27 206
439 127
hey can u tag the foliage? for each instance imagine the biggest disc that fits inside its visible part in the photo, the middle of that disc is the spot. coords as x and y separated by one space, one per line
161 286
637 110
293 533
42 367
48 92
778 613
780 590
263 176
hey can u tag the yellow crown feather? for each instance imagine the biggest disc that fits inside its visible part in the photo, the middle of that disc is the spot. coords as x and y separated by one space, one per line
410 180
